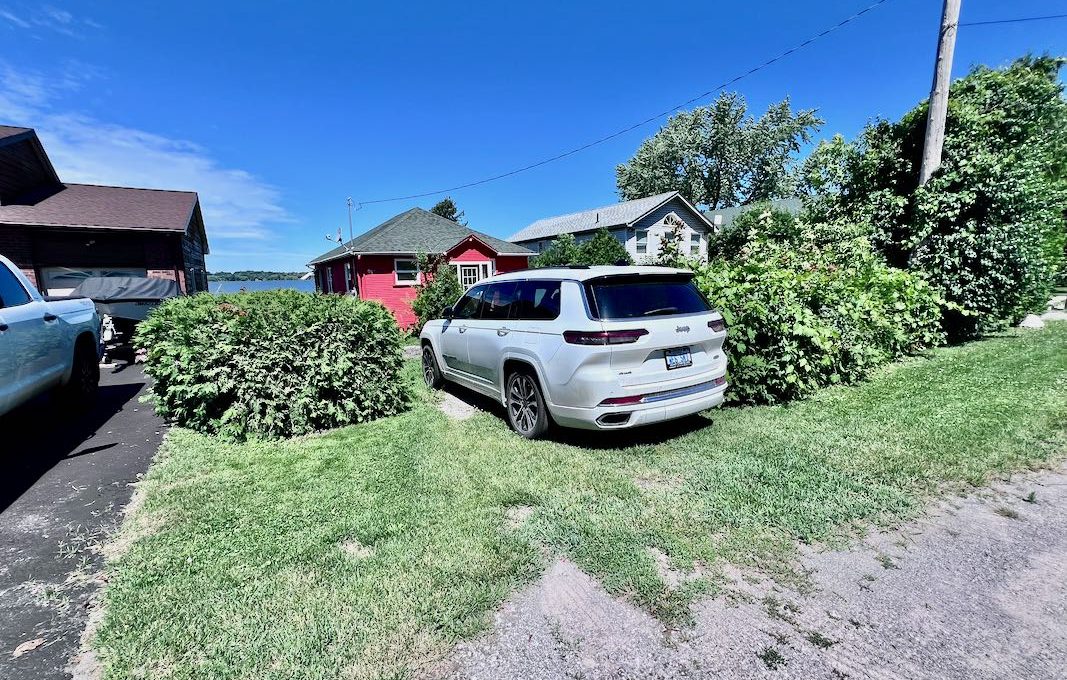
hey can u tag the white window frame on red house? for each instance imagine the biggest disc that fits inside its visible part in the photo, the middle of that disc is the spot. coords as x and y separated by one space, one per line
485 269
414 269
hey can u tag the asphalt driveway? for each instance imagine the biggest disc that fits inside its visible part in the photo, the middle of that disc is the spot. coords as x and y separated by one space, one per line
65 481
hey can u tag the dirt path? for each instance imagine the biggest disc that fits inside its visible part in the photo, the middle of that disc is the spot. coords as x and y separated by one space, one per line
977 589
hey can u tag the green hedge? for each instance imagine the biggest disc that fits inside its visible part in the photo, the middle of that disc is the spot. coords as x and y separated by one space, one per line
272 364
817 310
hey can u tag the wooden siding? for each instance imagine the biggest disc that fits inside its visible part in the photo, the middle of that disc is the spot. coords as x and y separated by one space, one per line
471 251
376 277
653 222
511 263
377 281
193 250
162 255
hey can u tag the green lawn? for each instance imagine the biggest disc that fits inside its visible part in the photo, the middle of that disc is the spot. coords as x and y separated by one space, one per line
239 569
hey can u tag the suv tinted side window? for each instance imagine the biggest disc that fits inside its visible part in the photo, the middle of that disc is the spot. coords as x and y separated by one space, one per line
12 294
537 301
498 300
469 304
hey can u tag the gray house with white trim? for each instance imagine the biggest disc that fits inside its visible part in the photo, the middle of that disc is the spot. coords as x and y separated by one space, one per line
639 225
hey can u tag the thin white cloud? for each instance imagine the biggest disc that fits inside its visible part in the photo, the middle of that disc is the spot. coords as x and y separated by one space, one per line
83 149
15 19
47 17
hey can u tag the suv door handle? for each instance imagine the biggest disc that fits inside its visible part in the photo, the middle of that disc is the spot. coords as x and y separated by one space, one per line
462 329
50 317
502 331
3 327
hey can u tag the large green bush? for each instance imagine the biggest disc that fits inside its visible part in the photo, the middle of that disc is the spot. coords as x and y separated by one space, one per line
817 310
988 229
272 364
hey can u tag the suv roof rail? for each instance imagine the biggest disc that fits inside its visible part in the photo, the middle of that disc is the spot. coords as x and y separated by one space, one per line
551 266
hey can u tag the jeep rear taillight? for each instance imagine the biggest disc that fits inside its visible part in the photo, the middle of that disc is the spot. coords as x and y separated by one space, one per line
717 325
604 337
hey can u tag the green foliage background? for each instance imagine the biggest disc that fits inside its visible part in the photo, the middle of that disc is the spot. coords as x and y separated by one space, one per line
819 308
272 364
988 229
602 248
720 156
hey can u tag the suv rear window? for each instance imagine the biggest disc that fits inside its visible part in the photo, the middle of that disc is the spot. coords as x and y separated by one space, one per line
629 297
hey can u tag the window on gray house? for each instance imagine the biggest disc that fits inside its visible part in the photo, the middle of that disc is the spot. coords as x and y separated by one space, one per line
642 241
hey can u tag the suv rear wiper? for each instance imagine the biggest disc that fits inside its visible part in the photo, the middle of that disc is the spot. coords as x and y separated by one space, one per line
661 310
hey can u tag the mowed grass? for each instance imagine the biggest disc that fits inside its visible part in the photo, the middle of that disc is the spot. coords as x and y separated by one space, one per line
239 567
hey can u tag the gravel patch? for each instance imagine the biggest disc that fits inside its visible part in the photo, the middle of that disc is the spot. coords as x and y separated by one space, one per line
412 351
454 407
969 591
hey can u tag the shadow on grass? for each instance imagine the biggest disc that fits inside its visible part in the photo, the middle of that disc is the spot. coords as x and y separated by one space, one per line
593 439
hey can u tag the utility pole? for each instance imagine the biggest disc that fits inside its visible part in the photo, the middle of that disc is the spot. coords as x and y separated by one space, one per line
938 111
348 201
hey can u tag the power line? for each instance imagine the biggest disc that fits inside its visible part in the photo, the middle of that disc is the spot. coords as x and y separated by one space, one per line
642 123
1013 21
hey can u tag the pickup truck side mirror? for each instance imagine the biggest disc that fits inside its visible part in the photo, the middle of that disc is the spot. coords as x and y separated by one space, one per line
447 312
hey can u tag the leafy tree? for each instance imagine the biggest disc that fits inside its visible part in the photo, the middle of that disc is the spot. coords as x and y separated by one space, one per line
447 209
603 248
719 156
988 229
562 251
440 288
763 220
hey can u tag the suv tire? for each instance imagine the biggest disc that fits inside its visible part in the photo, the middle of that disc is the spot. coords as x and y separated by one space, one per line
525 405
431 373
84 377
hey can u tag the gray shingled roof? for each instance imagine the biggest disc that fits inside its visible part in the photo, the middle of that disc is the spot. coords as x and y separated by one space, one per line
417 231
793 205
615 215
101 207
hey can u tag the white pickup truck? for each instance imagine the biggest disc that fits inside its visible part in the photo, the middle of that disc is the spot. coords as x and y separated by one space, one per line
45 343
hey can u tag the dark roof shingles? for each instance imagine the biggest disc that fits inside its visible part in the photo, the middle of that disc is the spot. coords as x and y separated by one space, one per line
11 131
417 231
103 207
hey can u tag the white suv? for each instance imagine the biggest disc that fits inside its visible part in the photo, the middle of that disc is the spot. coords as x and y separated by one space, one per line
599 348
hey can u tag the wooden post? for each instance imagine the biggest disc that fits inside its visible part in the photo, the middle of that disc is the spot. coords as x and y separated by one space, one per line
935 120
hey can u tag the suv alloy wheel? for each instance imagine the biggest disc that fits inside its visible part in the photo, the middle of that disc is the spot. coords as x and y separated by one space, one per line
527 414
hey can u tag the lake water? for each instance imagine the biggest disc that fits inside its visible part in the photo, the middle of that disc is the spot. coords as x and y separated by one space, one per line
235 286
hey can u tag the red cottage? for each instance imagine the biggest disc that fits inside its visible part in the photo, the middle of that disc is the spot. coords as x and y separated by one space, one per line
380 264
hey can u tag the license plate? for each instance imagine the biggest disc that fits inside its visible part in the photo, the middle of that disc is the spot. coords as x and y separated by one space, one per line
678 357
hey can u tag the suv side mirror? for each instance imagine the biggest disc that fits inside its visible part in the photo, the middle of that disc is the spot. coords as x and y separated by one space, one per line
447 312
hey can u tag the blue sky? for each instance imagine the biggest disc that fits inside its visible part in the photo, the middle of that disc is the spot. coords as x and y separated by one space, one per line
276 111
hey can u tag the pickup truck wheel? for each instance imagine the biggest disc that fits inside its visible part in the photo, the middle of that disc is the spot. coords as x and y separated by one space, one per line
527 414
431 374
84 376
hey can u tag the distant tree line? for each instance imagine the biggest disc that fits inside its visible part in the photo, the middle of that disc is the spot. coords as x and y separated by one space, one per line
254 275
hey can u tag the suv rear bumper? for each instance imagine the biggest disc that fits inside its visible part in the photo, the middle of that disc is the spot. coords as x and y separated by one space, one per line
610 417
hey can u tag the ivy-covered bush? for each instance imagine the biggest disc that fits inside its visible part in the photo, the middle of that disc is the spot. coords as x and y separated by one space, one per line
272 364
988 229
817 310
440 288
